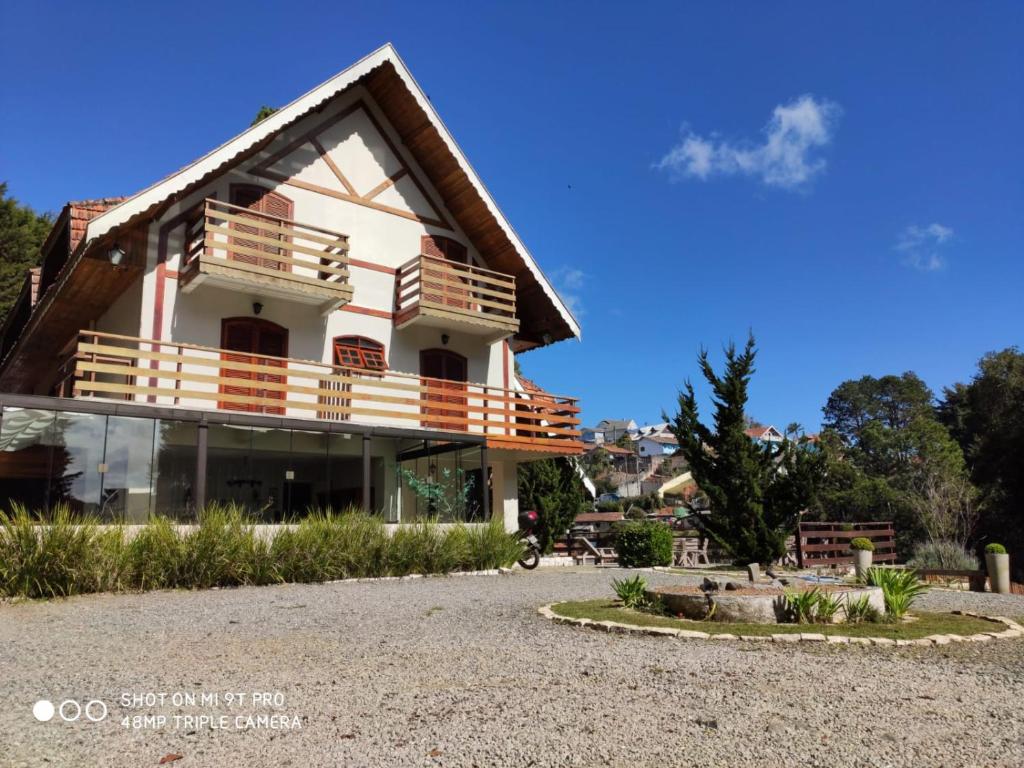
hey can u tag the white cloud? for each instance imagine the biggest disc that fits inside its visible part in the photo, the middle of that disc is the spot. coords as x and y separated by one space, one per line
785 158
920 246
569 282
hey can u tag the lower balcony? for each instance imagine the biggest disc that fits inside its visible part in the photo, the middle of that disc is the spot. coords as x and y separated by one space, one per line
107 365
446 294
233 247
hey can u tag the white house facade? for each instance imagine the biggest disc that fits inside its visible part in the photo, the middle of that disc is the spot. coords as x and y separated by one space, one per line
310 315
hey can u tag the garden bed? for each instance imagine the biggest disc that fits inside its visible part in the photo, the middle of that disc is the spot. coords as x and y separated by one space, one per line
924 625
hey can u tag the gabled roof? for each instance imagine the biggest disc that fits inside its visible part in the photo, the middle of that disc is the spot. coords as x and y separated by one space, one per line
763 433
545 317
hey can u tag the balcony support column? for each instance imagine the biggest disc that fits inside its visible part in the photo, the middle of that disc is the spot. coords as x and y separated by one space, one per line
485 475
366 474
202 437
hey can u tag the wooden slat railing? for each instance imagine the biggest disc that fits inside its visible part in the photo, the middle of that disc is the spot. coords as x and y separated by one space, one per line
457 289
268 245
189 375
829 543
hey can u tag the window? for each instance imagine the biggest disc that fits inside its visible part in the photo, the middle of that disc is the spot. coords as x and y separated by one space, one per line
444 248
359 352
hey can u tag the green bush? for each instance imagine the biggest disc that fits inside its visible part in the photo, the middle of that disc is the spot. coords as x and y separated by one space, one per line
63 554
900 588
608 506
942 555
631 591
643 544
995 549
862 544
860 610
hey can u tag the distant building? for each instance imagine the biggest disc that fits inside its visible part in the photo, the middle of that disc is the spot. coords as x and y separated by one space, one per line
763 435
657 445
613 429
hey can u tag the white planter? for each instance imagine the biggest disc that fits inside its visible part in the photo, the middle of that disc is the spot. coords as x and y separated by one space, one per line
862 561
998 572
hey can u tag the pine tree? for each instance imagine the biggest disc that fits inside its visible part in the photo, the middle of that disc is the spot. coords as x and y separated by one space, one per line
756 493
22 232
554 490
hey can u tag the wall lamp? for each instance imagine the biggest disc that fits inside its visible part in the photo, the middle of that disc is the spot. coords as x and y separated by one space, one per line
257 307
116 254
444 339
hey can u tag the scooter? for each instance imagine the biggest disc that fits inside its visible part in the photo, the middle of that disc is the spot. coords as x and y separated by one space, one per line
531 546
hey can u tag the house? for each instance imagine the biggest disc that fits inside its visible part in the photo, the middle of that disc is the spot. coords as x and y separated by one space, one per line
311 314
763 435
656 445
613 429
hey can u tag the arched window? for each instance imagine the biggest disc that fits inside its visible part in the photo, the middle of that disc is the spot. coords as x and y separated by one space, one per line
359 352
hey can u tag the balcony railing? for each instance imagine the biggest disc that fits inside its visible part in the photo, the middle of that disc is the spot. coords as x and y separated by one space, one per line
188 375
234 247
436 292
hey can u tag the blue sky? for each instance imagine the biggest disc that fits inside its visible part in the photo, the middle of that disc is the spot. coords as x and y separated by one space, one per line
848 181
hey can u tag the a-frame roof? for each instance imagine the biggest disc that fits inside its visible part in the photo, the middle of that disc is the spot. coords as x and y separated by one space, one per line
544 316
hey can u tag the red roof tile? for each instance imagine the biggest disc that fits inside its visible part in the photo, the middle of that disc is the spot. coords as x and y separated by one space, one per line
83 211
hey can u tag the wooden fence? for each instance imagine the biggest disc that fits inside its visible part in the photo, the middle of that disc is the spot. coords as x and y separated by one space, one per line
829 543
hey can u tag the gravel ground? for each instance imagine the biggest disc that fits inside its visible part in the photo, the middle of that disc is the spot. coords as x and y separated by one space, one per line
463 672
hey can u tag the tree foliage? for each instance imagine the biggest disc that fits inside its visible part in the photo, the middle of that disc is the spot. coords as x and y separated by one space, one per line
986 417
552 488
756 493
263 113
887 457
22 232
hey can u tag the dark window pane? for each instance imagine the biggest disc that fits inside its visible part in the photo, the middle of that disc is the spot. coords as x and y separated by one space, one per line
174 469
76 477
26 440
128 480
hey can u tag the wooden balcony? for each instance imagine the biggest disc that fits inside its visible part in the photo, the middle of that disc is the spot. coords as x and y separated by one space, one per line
445 294
191 376
233 247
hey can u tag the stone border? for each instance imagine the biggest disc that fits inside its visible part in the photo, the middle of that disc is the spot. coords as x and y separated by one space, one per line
408 577
1013 629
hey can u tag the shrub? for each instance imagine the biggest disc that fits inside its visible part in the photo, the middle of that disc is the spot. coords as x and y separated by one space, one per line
52 556
643 544
490 546
862 544
942 555
609 506
826 609
859 610
995 549
631 591
802 605
63 554
900 588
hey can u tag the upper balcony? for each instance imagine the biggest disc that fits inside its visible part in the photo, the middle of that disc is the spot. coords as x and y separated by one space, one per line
234 247
445 294
207 378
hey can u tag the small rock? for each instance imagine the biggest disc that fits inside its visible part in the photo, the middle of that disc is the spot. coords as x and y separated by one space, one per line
732 586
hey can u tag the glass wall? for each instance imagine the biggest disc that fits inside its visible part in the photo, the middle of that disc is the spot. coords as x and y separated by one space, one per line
121 468
441 480
112 467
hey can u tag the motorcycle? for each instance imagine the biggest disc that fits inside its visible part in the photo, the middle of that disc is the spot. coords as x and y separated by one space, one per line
531 546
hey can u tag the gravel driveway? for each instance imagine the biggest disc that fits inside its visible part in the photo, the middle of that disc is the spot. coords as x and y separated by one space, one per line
463 672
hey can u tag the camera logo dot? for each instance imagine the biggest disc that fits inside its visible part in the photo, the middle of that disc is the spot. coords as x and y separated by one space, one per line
70 710
43 710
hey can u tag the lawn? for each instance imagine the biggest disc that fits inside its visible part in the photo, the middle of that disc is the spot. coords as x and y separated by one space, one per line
924 625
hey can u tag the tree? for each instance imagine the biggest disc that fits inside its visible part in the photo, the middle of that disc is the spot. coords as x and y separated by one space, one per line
22 232
263 113
756 493
986 417
552 488
888 458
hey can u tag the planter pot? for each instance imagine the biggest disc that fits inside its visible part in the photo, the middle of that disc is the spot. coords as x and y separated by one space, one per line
998 572
862 561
